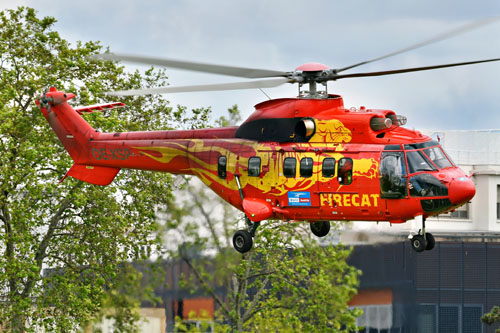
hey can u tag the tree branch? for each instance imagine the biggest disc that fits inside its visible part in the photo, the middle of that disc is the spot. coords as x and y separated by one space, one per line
208 219
207 287
42 249
249 313
9 247
260 274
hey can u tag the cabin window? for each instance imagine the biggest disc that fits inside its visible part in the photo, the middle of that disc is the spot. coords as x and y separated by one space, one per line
393 175
221 167
328 167
306 167
254 166
290 167
345 171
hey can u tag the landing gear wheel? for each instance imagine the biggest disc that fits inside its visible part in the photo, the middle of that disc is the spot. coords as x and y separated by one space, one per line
430 241
242 241
418 243
320 229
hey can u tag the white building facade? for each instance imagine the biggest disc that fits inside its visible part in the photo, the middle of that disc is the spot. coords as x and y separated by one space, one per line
477 153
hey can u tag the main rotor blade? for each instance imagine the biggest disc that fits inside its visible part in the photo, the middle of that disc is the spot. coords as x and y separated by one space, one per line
205 87
438 38
407 70
250 73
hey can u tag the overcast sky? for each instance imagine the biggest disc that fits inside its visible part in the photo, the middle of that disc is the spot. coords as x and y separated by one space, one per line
283 34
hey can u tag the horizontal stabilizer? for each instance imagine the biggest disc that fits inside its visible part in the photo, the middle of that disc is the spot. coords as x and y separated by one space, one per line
96 175
98 107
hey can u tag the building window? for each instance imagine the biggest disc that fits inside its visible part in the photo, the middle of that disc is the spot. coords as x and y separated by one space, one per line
375 318
306 167
449 315
471 318
426 318
254 166
328 169
460 213
221 167
345 171
290 167
498 202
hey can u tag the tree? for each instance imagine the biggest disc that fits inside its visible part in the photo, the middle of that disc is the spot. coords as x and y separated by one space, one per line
492 317
61 244
287 282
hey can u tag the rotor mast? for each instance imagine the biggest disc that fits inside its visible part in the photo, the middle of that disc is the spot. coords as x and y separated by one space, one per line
313 73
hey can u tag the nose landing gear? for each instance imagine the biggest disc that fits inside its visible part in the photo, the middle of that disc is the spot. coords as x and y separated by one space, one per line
423 241
243 239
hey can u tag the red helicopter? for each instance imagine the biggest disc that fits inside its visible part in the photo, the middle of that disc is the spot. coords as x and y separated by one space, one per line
307 158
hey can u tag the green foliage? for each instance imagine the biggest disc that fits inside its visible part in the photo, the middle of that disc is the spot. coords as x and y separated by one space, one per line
492 317
131 287
61 244
287 282
234 117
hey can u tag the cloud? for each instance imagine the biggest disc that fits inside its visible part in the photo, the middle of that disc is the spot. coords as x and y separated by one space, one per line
283 35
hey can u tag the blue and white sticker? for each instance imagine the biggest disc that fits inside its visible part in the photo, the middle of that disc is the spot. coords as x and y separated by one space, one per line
299 198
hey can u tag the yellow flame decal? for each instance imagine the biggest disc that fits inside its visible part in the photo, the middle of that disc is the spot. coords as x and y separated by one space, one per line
332 130
272 182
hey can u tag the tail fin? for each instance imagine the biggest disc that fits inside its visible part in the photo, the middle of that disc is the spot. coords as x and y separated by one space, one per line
75 134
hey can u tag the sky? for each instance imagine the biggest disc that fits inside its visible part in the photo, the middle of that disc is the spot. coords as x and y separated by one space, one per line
282 35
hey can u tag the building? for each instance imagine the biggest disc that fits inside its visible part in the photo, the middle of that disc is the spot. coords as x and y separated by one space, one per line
449 288
444 290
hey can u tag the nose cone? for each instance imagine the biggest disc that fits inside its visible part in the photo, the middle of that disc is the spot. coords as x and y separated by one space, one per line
461 190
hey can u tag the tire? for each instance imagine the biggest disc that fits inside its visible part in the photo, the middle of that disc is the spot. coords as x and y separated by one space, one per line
320 229
242 241
430 241
418 243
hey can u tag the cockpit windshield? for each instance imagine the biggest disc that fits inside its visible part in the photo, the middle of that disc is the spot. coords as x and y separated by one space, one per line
417 162
438 157
426 156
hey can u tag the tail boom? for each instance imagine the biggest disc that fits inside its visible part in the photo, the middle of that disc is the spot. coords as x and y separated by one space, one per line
98 157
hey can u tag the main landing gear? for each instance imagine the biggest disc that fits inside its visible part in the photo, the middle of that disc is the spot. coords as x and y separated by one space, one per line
320 228
423 241
243 239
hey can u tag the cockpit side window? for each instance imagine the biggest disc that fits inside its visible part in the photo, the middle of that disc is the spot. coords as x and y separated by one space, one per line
393 175
417 162
437 156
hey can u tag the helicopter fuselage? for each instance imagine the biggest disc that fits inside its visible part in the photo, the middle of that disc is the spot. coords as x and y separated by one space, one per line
325 162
